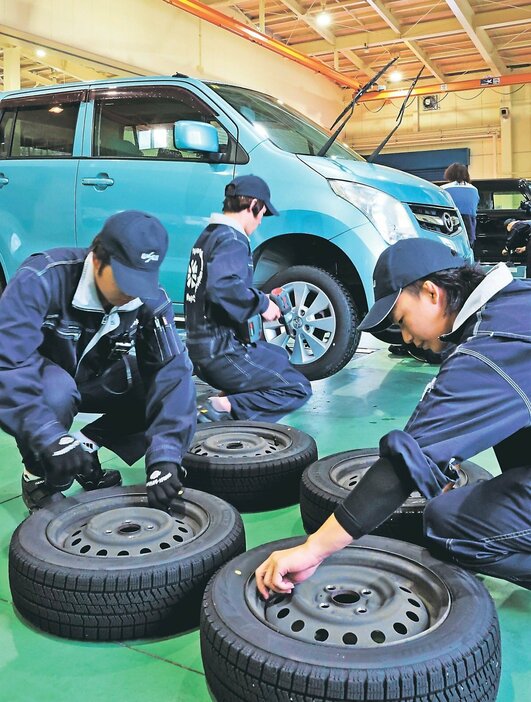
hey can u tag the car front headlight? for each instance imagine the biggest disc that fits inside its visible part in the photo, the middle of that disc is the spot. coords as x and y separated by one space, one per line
388 214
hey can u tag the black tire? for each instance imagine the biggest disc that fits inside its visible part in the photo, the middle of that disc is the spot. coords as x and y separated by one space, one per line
253 465
393 335
397 626
60 588
327 482
339 343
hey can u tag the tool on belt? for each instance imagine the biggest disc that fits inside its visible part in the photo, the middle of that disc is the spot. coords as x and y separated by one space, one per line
251 330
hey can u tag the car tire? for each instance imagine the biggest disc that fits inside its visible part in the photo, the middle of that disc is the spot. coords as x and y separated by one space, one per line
327 482
253 465
148 577
326 339
392 335
381 620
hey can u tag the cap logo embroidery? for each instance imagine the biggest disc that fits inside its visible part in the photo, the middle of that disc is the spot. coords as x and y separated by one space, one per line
148 257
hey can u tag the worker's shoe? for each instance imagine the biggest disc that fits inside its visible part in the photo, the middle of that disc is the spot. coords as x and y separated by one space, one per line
207 413
36 494
99 478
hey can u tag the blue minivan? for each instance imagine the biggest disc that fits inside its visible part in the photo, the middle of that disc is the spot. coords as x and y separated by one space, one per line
73 154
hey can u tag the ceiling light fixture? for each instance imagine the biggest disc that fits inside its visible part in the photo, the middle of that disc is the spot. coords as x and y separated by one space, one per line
323 18
40 53
395 76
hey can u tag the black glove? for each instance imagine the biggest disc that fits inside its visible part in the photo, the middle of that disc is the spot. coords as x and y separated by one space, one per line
164 484
63 460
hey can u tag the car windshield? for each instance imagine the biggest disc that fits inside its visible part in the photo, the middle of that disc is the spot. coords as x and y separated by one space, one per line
283 125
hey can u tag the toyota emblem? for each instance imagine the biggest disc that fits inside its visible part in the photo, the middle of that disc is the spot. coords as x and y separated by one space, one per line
448 222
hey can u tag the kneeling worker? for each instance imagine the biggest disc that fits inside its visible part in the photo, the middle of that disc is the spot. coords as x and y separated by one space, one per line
68 321
481 398
256 379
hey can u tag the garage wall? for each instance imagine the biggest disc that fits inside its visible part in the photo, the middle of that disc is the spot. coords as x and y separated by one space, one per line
470 119
161 39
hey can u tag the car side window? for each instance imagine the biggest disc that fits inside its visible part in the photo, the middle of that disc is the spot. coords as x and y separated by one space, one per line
7 120
42 128
139 124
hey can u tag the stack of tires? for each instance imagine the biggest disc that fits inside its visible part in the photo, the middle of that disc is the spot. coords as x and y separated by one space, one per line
105 566
381 620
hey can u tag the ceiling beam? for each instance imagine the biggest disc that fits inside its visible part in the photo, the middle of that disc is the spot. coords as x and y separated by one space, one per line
386 14
423 58
479 37
301 14
422 30
328 35
359 63
28 75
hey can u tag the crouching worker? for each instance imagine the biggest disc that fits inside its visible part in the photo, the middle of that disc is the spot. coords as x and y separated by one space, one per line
255 378
481 398
69 320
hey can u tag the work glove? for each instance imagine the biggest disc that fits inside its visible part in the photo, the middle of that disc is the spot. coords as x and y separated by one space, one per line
62 460
164 484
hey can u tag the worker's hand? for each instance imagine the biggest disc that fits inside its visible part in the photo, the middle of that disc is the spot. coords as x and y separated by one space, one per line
504 252
164 484
64 459
520 250
272 312
283 569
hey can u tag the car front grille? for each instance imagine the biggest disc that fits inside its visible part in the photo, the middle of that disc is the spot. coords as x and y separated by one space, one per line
434 218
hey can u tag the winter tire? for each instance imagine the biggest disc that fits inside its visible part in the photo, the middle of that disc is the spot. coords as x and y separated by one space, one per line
327 482
252 465
381 620
104 566
325 321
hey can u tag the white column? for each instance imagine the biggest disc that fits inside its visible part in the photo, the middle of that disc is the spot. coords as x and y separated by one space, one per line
12 68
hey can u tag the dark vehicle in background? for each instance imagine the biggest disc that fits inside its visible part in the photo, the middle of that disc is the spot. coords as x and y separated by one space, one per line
499 199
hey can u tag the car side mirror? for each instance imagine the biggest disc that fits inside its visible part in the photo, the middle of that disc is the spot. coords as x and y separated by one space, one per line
195 136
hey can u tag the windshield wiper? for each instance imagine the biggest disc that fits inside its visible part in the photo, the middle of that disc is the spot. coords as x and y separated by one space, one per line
398 119
350 108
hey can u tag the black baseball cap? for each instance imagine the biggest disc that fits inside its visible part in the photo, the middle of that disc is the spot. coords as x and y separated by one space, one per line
251 186
137 243
400 265
508 221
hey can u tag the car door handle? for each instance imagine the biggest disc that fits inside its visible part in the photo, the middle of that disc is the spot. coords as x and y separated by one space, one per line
3 180
100 182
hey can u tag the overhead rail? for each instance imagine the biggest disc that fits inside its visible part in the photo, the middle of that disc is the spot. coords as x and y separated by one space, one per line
209 14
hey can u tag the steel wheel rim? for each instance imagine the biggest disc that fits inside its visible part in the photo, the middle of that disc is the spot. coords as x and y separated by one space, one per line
124 526
241 442
358 598
349 471
314 323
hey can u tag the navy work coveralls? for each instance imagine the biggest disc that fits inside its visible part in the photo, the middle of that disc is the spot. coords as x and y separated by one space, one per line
481 398
60 353
258 379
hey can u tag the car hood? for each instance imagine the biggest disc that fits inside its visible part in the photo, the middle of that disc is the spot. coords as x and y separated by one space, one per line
400 185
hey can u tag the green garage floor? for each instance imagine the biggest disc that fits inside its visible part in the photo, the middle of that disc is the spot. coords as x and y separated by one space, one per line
373 394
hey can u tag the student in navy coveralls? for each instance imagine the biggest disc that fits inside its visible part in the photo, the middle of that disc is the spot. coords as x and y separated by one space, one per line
69 321
481 398
256 380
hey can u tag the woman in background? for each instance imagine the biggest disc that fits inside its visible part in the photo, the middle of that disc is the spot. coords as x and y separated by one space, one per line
464 194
